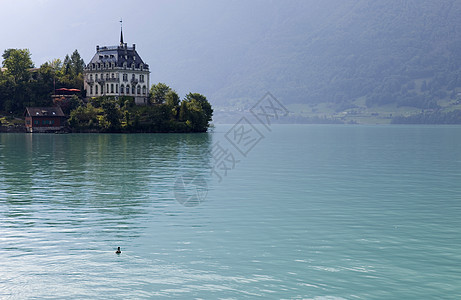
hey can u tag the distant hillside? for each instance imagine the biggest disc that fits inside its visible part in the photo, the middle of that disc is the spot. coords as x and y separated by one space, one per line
408 52
404 53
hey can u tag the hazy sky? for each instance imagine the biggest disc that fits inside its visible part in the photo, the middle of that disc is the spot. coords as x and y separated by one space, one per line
183 41
192 45
53 28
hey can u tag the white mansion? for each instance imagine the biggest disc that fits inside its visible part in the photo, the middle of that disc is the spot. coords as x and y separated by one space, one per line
117 71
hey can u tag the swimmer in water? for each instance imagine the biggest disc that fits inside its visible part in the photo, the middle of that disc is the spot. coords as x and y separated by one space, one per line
118 250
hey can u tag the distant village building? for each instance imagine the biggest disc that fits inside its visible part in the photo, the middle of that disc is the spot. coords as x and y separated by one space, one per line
117 71
44 119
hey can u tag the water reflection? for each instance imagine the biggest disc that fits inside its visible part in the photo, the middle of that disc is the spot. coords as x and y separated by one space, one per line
95 182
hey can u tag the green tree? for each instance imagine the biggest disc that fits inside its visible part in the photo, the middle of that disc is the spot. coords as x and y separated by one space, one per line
112 116
77 63
203 103
158 92
71 75
16 91
56 64
183 112
18 62
172 101
67 66
172 98
84 118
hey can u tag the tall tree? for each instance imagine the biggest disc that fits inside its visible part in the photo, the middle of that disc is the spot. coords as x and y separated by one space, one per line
172 101
183 112
172 98
67 66
77 63
158 92
71 74
204 104
18 62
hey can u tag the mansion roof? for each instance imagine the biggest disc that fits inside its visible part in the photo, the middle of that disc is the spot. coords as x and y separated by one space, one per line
117 56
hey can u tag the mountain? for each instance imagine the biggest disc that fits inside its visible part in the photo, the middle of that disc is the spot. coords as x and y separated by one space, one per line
350 54
333 58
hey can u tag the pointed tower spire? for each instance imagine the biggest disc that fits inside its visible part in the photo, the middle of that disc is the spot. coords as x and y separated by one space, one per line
121 32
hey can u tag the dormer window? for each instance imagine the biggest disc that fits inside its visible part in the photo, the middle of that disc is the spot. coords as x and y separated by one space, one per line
132 66
124 65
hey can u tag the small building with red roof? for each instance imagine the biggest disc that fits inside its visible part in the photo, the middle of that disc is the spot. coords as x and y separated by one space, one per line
44 119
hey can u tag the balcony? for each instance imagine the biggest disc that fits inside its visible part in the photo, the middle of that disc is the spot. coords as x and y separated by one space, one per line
134 81
101 80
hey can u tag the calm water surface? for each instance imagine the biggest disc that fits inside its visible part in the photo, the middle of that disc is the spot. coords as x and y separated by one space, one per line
311 212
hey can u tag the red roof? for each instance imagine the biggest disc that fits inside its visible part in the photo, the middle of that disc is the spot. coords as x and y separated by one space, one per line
67 90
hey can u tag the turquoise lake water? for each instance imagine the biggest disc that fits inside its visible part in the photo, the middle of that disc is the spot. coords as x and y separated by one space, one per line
290 212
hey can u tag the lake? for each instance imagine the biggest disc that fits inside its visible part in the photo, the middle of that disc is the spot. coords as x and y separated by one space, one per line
286 212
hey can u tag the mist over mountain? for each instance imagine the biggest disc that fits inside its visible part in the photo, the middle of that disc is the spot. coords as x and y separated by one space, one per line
329 57
406 52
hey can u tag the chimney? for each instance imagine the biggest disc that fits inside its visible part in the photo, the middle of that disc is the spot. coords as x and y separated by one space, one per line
97 48
134 46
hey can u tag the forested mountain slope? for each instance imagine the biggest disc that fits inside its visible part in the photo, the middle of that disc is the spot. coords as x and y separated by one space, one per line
408 52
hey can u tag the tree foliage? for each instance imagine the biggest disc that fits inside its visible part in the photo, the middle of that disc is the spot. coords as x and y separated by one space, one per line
437 117
158 92
196 111
106 114
21 85
17 63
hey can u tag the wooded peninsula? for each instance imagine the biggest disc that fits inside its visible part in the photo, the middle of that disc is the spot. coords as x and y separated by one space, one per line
23 85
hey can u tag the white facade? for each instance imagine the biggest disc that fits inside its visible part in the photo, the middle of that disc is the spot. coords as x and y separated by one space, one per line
117 71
